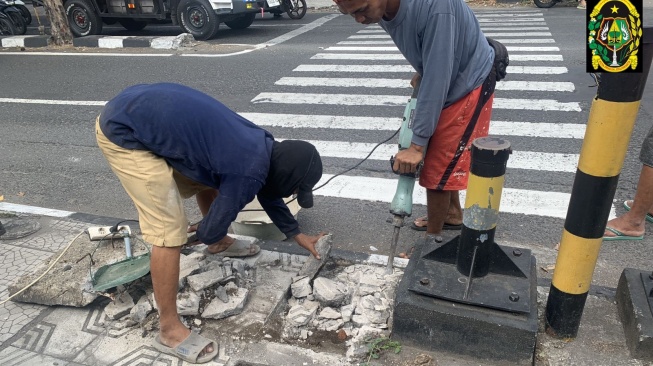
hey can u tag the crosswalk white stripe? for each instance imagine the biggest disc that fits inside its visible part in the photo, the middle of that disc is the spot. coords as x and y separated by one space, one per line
371 31
557 86
501 128
347 48
517 33
521 21
365 42
324 121
408 68
370 36
532 49
537 70
514 29
518 57
516 201
535 105
399 100
360 56
528 160
405 83
345 82
398 56
508 15
513 24
526 40
52 101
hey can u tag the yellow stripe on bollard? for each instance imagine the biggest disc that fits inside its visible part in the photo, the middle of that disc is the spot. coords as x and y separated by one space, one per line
608 125
575 265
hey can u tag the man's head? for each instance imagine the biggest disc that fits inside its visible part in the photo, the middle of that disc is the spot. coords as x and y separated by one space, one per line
295 168
367 11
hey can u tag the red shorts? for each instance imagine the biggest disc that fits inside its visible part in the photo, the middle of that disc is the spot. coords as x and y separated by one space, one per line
445 140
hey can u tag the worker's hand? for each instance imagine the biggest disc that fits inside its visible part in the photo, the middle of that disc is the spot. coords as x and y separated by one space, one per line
406 160
416 77
308 242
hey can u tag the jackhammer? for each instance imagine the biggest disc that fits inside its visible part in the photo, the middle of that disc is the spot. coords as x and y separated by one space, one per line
402 203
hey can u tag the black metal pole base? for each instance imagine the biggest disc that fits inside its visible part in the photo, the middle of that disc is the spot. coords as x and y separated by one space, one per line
635 306
442 325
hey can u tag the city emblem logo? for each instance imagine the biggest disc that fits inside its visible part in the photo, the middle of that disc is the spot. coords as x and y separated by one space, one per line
614 35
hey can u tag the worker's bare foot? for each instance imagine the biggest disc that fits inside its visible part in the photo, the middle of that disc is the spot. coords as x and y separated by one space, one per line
221 246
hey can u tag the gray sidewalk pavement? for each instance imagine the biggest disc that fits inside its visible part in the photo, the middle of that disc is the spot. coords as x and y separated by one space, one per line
32 334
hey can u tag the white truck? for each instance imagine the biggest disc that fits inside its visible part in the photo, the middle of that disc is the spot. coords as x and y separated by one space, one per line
201 18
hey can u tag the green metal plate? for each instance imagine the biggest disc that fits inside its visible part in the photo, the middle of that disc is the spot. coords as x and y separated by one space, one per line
119 273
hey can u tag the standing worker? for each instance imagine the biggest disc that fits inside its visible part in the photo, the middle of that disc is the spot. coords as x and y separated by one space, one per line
443 41
166 142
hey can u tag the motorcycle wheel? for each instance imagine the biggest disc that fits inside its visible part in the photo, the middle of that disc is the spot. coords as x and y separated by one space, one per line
545 3
296 9
25 13
7 27
19 23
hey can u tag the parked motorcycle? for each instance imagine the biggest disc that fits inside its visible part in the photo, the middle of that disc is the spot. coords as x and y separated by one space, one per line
546 3
296 9
20 4
6 26
7 8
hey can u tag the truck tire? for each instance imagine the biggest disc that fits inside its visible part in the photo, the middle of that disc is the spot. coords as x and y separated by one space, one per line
198 18
132 25
242 21
82 18
7 27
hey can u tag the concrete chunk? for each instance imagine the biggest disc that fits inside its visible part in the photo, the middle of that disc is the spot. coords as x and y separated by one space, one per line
329 292
219 310
188 303
329 313
301 288
119 307
203 280
300 315
142 309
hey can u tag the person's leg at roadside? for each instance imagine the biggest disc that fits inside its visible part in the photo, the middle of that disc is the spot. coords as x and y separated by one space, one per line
632 223
163 224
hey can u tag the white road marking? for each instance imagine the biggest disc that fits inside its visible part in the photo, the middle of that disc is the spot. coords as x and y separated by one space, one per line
345 82
366 42
363 31
399 100
532 49
294 33
527 40
528 160
518 57
511 21
516 201
508 15
557 86
370 36
539 70
33 210
360 56
518 33
501 128
514 29
345 48
52 101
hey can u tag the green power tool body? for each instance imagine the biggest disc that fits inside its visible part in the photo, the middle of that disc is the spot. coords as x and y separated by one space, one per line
402 203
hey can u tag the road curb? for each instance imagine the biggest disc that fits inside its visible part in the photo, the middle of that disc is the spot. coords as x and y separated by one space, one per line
25 41
165 43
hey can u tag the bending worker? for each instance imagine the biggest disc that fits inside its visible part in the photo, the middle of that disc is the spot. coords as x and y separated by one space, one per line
443 41
166 142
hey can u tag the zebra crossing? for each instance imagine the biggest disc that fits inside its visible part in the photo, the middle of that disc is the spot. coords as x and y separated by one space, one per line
367 70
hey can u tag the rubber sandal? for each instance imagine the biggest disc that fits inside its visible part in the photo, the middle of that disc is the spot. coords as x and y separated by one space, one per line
189 350
447 226
240 248
649 217
619 235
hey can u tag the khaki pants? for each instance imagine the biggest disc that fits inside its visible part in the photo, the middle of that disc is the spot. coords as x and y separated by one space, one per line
156 189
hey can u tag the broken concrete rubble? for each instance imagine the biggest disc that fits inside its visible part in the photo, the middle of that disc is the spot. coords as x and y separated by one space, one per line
218 309
356 301
120 306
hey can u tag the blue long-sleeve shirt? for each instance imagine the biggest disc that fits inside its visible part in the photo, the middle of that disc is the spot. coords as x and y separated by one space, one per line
203 140
443 41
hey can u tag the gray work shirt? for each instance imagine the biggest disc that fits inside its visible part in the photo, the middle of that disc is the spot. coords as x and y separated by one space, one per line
443 41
